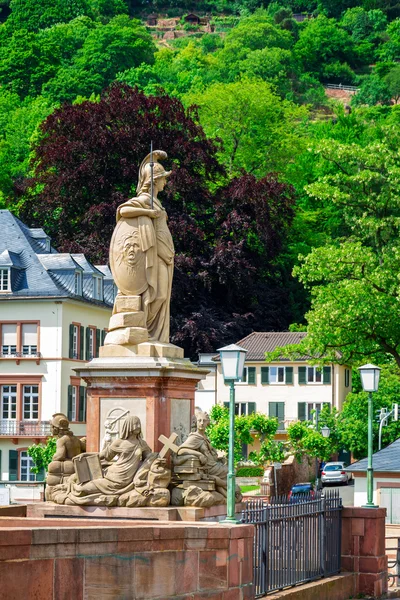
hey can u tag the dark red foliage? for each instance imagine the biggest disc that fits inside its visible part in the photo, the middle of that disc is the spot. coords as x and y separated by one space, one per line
225 282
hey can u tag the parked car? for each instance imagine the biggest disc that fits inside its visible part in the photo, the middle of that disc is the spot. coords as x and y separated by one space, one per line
301 491
334 472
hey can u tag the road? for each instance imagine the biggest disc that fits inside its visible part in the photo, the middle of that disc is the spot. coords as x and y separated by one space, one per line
346 492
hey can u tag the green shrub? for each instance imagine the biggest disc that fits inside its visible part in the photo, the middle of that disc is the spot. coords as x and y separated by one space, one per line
249 472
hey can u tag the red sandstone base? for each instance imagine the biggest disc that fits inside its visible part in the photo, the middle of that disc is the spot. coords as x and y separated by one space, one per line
158 390
60 561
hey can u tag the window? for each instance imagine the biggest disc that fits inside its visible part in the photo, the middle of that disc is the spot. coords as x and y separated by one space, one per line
309 411
97 288
314 375
72 411
19 339
30 397
5 280
243 408
29 339
26 463
9 339
8 401
76 403
75 341
78 283
91 343
249 376
277 374
277 410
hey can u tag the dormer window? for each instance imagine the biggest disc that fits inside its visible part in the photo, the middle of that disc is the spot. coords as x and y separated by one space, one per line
5 281
97 288
78 283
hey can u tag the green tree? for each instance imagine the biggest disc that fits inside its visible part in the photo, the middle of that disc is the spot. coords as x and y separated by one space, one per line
245 427
353 281
32 16
42 454
259 130
352 421
392 80
322 44
373 90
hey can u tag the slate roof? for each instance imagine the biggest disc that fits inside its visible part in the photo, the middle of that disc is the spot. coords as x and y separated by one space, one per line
38 270
385 460
258 343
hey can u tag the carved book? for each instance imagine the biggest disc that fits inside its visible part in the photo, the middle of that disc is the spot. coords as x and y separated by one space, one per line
87 467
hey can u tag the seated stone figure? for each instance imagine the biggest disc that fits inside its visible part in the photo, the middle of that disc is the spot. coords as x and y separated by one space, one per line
67 447
127 480
207 484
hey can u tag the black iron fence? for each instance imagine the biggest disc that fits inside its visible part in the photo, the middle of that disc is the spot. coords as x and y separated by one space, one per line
393 553
296 540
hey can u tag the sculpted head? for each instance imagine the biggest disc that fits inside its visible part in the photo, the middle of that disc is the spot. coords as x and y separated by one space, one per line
131 426
159 177
59 424
203 421
131 249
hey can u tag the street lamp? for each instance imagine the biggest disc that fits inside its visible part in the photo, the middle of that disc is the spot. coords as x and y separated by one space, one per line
370 381
232 360
325 432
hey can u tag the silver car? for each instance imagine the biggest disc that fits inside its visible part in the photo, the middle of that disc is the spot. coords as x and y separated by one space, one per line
334 472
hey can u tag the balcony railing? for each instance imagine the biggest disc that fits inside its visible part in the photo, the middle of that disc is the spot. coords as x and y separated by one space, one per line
20 355
24 428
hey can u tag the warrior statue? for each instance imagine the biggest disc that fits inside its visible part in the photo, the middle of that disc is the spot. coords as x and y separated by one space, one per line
142 262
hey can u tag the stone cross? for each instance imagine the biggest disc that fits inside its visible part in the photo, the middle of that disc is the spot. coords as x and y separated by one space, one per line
168 444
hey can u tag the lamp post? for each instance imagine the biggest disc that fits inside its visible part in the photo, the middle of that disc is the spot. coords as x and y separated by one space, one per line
325 432
232 360
370 382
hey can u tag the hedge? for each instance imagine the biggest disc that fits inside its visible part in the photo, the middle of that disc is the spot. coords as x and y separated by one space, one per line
250 472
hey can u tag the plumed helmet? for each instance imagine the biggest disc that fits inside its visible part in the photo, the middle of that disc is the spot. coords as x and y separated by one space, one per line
158 169
60 420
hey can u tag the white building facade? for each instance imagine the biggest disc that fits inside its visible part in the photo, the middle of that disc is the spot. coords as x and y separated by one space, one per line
289 390
54 313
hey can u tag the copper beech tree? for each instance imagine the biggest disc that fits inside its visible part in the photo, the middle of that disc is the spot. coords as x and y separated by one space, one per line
227 234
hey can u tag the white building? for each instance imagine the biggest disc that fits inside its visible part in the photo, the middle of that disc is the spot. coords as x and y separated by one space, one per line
54 311
288 390
386 481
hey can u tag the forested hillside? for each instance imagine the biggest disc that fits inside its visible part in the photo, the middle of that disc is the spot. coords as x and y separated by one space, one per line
265 166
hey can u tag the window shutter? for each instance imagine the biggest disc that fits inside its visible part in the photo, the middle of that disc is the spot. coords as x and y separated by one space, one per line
103 336
264 375
69 409
289 375
272 411
13 465
81 342
71 341
251 408
251 371
40 475
226 404
87 343
326 375
301 410
281 415
98 342
82 403
302 375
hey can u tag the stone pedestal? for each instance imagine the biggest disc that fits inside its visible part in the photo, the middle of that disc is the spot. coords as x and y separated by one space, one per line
158 389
